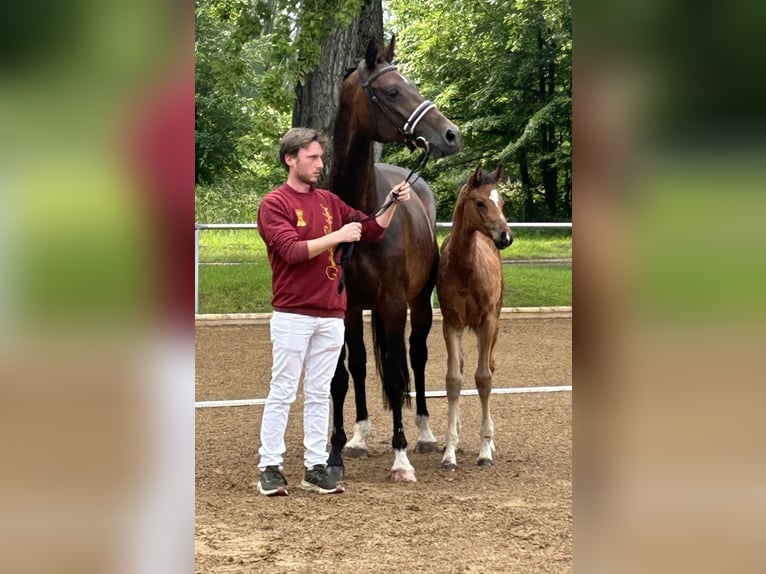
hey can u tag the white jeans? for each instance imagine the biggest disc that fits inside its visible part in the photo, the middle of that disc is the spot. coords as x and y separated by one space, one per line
298 341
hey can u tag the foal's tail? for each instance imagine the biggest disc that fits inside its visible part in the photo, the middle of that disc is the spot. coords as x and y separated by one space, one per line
381 355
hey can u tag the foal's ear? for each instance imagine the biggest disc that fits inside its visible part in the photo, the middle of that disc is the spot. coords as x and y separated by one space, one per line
497 173
388 55
371 55
476 177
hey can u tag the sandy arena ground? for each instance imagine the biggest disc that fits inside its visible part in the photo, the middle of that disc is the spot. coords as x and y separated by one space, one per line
515 516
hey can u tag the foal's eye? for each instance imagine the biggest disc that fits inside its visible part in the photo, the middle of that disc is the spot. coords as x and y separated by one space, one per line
480 204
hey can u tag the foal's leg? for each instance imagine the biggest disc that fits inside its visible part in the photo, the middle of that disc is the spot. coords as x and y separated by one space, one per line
357 365
486 336
421 318
454 380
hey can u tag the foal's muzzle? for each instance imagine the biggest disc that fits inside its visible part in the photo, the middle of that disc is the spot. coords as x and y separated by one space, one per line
505 239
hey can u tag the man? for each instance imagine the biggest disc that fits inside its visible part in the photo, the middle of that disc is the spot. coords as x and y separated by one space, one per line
301 226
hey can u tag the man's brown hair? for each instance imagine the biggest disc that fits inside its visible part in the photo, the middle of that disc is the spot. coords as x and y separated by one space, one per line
296 139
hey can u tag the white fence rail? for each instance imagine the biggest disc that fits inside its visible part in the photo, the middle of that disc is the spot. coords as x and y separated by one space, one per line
198 227
429 394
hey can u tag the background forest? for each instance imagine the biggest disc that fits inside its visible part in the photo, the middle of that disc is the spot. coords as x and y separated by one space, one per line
501 70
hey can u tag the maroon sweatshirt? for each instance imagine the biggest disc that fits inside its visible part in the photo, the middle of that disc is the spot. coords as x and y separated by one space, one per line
287 219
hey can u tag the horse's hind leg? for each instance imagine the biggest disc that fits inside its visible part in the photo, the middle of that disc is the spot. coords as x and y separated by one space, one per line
357 365
454 380
338 391
486 337
389 339
421 318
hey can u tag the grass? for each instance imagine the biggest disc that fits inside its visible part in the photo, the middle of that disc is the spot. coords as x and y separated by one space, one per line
537 286
539 243
247 288
235 288
231 246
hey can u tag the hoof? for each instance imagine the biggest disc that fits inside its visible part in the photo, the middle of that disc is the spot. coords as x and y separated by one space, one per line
485 462
451 466
354 452
403 476
337 472
426 447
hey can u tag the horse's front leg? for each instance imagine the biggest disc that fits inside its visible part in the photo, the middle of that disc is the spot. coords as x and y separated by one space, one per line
486 336
421 319
401 470
357 365
454 381
338 391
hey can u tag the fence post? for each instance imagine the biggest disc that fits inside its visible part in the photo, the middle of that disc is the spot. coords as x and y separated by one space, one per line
196 270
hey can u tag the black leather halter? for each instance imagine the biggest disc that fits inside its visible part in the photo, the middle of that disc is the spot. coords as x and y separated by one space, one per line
406 126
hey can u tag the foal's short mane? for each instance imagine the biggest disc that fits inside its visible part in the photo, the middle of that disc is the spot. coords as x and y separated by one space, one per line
487 178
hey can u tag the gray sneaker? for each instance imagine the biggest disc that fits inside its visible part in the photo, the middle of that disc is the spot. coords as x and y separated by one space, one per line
272 482
316 478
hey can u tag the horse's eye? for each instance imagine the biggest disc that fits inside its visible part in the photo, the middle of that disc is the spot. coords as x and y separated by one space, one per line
392 92
480 204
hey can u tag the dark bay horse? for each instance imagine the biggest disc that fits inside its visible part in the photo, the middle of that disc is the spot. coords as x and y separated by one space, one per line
470 289
378 104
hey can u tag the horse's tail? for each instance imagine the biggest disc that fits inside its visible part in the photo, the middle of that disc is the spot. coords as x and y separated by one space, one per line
381 354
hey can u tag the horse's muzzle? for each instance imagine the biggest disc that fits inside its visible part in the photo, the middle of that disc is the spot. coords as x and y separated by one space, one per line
448 141
505 239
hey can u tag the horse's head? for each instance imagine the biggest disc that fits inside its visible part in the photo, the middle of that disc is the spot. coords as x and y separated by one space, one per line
389 108
480 206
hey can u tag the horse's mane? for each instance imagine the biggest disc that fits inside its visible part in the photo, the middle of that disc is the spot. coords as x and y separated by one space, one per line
348 72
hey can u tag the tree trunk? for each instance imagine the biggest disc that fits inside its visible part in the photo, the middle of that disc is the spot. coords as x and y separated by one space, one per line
526 188
548 171
547 136
318 95
568 193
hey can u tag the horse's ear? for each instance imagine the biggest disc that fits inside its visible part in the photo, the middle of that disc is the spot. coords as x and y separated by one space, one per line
497 173
371 55
476 177
388 56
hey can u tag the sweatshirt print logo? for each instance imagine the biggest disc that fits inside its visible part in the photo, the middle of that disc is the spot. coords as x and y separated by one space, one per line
332 269
301 222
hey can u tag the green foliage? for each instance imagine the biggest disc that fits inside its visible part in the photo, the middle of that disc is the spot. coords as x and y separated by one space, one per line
240 108
250 56
235 200
501 71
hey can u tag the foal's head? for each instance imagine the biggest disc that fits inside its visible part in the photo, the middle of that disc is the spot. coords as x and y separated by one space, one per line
480 207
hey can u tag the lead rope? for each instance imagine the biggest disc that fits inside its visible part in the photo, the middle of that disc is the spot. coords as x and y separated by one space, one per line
347 249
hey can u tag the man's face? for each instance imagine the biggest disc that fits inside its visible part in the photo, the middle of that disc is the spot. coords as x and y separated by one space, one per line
307 165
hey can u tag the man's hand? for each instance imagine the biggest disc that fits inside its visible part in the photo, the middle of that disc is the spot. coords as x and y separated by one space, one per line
400 192
350 232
